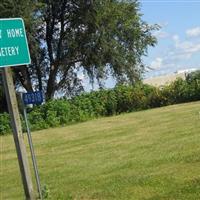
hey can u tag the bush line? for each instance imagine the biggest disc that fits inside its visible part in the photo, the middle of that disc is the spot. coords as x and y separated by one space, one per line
108 102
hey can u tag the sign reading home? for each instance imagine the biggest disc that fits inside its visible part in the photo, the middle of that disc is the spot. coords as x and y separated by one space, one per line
13 43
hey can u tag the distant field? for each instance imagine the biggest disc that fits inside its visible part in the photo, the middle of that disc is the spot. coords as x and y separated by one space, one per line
147 155
164 79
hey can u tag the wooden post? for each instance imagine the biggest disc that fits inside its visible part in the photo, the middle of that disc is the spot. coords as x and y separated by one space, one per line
17 133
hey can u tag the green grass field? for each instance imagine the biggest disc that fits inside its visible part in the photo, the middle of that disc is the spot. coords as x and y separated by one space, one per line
147 155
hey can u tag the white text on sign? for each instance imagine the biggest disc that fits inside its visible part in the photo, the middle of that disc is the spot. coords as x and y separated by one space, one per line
9 51
13 33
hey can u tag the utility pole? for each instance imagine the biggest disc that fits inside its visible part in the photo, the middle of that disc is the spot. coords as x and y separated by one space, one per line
17 133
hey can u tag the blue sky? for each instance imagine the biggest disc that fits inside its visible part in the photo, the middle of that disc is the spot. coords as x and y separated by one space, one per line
179 38
178 45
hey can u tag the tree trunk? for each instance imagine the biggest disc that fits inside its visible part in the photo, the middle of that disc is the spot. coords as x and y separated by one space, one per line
51 83
39 77
24 78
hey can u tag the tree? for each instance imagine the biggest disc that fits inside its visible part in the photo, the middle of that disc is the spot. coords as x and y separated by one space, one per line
24 9
193 77
96 37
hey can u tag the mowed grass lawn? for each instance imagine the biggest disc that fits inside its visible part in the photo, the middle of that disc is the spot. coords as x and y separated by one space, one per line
147 155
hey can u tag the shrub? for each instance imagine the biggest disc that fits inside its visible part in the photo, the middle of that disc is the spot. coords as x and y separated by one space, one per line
122 98
36 119
4 124
83 107
56 112
193 81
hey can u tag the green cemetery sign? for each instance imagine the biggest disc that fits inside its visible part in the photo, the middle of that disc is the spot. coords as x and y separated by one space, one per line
13 43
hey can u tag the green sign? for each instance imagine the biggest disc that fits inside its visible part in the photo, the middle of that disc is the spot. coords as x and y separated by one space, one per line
13 43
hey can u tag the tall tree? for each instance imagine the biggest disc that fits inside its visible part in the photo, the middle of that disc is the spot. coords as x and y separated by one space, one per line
97 36
94 36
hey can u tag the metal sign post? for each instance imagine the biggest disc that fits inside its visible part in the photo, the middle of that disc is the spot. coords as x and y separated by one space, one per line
17 133
34 161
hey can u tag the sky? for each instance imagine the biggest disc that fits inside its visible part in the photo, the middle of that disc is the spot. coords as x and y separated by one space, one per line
178 45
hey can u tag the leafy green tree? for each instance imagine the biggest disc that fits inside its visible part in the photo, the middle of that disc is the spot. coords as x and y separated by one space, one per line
98 37
193 77
193 81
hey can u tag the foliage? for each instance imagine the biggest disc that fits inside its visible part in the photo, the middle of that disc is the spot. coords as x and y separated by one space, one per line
94 36
36 120
45 192
193 80
4 124
67 37
56 112
23 9
183 90
123 98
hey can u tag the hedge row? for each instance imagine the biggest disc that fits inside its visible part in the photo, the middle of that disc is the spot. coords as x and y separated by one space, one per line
108 102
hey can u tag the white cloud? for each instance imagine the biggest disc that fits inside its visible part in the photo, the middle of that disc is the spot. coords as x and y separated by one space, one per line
161 34
185 48
163 24
194 32
175 38
176 56
157 63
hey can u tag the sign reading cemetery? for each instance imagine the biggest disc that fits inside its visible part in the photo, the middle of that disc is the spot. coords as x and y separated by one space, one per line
13 43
